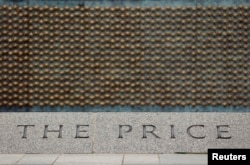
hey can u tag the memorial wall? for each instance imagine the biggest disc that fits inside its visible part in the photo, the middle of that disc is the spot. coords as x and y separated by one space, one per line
124 76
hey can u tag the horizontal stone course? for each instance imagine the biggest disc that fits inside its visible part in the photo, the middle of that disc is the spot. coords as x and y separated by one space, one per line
127 132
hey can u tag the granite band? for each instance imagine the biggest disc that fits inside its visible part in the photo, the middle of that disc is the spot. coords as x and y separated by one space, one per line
123 132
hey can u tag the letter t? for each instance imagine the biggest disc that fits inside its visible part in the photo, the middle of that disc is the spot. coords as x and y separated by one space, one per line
25 129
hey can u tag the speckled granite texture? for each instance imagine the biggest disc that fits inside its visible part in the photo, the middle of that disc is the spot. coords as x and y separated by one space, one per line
139 132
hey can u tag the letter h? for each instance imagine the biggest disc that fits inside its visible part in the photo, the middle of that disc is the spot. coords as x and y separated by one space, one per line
46 131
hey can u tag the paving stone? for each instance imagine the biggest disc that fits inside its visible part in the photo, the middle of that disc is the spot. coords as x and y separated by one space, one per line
35 159
183 159
144 159
90 159
10 158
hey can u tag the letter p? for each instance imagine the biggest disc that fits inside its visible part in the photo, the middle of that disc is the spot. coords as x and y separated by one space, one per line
128 129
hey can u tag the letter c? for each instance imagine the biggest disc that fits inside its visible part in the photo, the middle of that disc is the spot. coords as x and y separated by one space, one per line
193 136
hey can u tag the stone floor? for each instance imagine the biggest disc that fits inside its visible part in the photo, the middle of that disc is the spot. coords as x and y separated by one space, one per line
103 159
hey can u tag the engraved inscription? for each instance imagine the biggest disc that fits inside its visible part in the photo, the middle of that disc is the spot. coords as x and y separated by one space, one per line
145 131
46 131
220 132
78 130
192 135
25 127
148 131
129 129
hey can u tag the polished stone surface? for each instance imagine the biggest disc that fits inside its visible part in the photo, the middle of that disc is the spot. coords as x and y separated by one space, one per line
10 158
105 159
191 159
36 159
145 159
90 159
